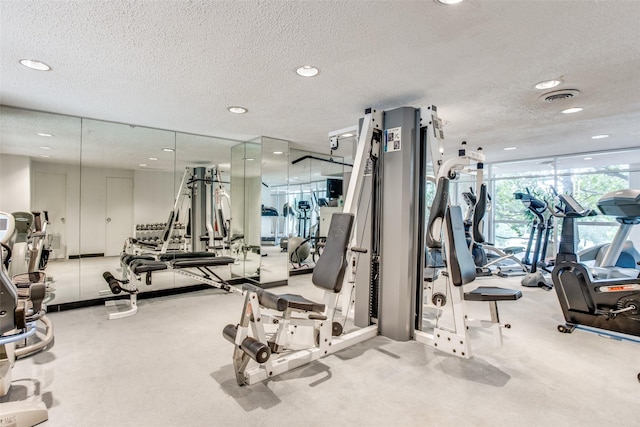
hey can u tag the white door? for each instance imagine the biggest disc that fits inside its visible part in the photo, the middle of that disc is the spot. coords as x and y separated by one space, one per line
119 219
50 194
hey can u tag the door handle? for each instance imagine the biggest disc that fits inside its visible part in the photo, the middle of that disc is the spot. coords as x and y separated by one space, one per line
62 220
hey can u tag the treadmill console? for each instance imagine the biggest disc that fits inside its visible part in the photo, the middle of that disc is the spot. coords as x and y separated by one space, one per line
621 204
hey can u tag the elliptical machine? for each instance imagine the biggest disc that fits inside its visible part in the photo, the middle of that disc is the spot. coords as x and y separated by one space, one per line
478 245
604 300
540 232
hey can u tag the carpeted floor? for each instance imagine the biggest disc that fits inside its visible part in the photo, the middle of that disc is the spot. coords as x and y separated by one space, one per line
170 366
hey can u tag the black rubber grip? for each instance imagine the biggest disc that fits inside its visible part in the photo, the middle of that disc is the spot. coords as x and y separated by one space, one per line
256 350
229 333
252 347
113 283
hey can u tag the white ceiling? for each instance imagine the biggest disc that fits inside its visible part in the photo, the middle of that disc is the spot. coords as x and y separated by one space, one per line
178 65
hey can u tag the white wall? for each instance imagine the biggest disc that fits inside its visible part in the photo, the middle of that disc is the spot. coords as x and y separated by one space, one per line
15 183
153 194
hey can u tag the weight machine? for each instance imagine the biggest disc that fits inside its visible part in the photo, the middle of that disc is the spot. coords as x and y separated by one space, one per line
20 309
385 253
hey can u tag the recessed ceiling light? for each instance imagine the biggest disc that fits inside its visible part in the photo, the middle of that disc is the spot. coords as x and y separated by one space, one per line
307 71
277 152
449 1
168 150
547 84
35 65
153 158
142 164
572 110
44 155
237 110
48 135
510 148
45 148
347 135
249 159
600 136
588 158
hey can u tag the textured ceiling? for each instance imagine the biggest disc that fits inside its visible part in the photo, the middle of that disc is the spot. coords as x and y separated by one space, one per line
178 65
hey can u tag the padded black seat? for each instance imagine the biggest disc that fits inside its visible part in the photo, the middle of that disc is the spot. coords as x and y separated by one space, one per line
140 266
202 262
282 302
492 293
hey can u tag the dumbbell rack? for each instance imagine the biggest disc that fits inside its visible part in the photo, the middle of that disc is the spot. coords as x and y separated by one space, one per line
152 234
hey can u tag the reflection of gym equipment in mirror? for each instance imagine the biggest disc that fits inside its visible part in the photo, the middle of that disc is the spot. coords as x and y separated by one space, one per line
71 185
200 250
313 218
274 221
204 227
311 209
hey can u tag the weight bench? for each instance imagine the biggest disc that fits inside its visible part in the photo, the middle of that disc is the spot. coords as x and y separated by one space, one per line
195 265
276 321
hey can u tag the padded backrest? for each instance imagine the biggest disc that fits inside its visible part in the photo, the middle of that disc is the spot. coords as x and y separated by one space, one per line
479 213
462 269
436 214
329 270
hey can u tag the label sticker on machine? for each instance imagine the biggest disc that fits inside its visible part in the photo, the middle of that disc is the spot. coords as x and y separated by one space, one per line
368 167
392 140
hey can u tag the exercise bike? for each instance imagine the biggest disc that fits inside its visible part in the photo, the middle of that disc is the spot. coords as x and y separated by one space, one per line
603 299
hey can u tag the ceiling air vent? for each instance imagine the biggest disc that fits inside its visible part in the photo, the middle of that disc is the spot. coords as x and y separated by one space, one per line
560 95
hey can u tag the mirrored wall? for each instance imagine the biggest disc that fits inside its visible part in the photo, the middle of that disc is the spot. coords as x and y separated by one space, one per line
105 183
273 219
315 191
